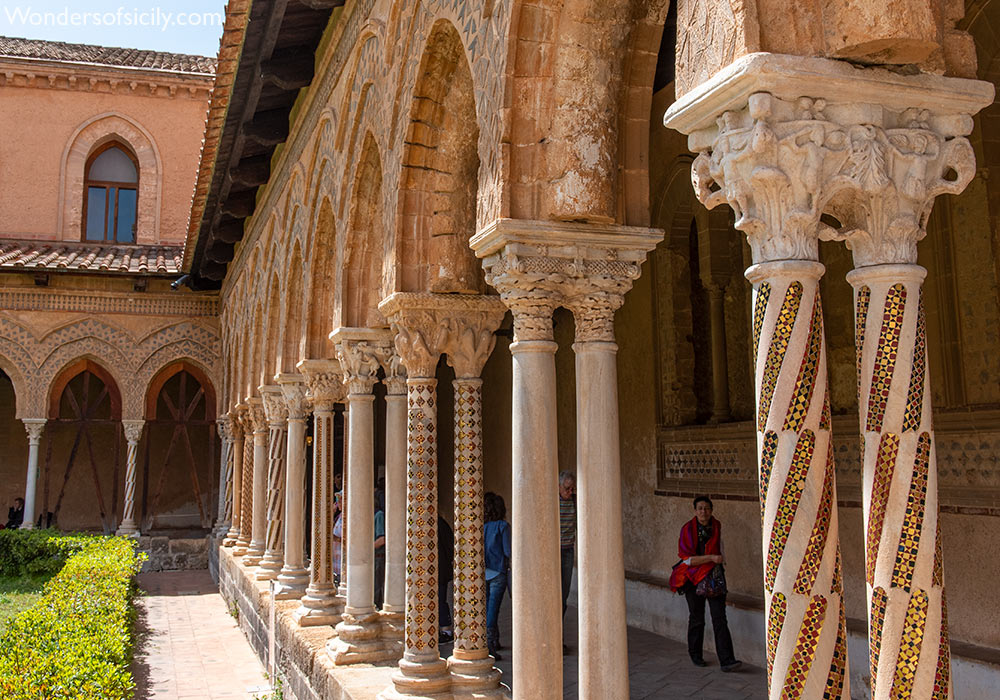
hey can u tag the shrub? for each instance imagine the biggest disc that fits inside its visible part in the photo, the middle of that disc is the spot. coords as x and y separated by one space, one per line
75 643
36 551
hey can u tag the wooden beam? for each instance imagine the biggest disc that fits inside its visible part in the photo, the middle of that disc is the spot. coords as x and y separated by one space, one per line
252 172
267 128
289 70
229 230
240 204
219 251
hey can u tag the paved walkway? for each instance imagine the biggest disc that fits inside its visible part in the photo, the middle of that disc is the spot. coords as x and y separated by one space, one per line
189 647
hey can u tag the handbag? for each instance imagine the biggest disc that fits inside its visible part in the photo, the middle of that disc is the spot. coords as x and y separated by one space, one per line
713 585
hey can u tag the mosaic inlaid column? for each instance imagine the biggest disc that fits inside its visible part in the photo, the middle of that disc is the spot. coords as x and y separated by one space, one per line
224 516
422 671
359 631
470 341
33 427
294 576
394 604
321 605
766 158
277 446
258 515
133 431
922 153
236 455
245 535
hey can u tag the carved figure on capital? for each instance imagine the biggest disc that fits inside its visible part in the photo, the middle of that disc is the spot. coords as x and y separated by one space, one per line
255 415
225 427
293 389
324 383
275 410
782 164
360 362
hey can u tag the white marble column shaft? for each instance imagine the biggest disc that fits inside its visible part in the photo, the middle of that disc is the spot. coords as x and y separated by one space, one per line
34 428
258 533
394 603
236 455
294 577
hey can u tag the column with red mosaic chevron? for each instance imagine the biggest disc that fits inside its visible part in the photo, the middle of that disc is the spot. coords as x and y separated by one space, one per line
909 651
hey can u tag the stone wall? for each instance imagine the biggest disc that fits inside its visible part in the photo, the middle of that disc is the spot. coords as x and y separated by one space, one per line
175 554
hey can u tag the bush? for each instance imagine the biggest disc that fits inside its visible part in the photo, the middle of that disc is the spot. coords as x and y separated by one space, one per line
36 551
75 643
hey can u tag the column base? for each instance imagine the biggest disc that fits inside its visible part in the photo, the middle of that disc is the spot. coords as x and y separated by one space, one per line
254 553
26 526
127 529
270 565
221 530
292 583
420 680
472 679
319 607
393 631
358 640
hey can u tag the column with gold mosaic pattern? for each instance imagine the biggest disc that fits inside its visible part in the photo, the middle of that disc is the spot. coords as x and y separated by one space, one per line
246 487
469 342
321 605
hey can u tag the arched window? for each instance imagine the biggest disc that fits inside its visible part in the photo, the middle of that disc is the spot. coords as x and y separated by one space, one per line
111 195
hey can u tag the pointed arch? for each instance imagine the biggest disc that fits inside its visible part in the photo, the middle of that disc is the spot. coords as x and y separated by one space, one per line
292 349
322 284
364 249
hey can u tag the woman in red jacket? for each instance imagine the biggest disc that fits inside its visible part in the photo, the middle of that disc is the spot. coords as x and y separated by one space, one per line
700 550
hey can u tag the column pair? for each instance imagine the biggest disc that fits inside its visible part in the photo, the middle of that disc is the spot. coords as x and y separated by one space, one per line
461 327
224 515
782 161
245 533
361 352
294 576
321 604
537 267
235 505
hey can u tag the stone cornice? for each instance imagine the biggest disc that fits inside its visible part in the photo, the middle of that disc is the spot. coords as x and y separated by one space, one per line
118 80
566 240
791 77
139 303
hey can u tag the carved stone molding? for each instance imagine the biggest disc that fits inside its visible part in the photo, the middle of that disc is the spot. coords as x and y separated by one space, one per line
275 411
428 325
540 265
255 415
133 430
20 299
786 140
361 352
324 383
293 389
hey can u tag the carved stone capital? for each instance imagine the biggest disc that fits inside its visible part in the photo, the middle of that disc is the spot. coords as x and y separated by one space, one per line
361 352
34 427
255 415
275 411
241 418
133 430
540 265
870 148
395 375
427 325
324 383
293 389
224 424
594 309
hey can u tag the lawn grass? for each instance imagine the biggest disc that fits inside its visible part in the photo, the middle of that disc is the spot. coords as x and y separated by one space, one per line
18 593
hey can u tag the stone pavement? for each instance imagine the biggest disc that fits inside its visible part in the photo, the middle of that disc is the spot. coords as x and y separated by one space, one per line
189 647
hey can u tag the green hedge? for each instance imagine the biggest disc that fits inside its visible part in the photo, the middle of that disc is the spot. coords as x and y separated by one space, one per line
76 642
36 551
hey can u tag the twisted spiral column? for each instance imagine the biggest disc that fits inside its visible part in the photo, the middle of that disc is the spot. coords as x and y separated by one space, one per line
803 589
277 444
133 431
224 516
247 487
258 514
321 605
236 456
908 626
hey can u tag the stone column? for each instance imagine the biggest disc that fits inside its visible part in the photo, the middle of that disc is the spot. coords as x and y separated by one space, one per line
720 368
294 577
321 605
469 342
277 444
422 671
236 456
345 420
358 633
225 513
394 604
133 431
907 157
34 428
245 534
258 535
537 266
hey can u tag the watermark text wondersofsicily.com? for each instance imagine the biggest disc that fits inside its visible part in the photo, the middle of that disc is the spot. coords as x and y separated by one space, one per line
152 17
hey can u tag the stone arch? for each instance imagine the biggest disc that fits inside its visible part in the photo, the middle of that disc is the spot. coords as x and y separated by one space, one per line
364 247
322 284
572 69
440 174
255 369
272 331
16 362
292 349
16 377
166 372
74 368
90 135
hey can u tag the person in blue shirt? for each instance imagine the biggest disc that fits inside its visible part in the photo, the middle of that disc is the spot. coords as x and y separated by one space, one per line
496 547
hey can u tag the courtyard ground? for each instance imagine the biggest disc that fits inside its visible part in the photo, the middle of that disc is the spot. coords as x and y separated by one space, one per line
190 648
